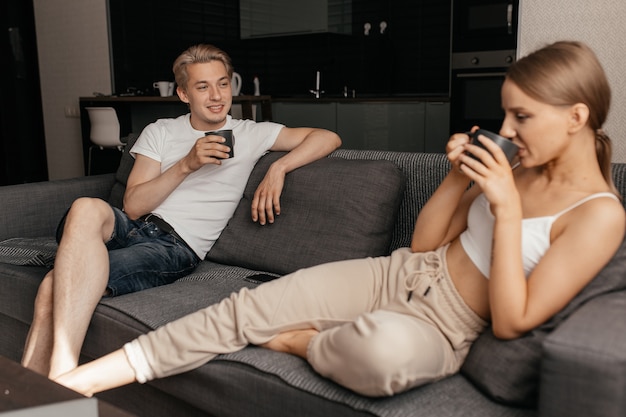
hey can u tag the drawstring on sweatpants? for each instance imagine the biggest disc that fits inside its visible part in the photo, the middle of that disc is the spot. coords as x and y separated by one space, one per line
433 273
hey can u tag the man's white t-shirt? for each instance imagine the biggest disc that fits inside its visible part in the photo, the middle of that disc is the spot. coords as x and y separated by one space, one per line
200 207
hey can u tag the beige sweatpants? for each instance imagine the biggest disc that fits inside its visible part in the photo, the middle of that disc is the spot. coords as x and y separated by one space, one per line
386 324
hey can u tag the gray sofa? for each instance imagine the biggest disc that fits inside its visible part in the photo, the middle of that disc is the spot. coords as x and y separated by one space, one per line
359 203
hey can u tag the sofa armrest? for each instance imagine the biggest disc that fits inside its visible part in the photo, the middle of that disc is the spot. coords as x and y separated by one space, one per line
584 366
34 209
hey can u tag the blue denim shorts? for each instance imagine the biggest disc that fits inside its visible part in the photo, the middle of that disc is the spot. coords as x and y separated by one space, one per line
143 256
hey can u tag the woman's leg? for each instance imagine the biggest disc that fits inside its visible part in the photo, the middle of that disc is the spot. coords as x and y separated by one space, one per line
318 298
421 335
382 353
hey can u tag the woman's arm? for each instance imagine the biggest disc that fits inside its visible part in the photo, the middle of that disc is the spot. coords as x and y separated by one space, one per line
444 216
588 237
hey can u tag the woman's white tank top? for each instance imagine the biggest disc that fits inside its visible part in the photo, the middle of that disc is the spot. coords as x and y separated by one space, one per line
478 237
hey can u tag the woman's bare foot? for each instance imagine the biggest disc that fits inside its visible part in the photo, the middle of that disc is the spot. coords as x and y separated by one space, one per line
293 341
110 371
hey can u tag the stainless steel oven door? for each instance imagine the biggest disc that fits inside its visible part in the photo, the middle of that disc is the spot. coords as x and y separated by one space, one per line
475 100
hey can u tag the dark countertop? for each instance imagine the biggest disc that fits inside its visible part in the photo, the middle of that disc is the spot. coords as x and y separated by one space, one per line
169 99
290 99
360 99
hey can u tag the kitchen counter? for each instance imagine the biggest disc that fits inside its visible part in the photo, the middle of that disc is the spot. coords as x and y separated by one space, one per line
135 112
360 99
404 124
245 101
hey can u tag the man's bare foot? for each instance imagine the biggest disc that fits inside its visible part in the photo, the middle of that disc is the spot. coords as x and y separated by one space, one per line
293 341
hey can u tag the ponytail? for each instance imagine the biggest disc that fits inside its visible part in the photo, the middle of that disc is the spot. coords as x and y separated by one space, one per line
604 151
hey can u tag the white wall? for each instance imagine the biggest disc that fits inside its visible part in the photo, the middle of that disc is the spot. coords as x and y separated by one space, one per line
598 23
73 50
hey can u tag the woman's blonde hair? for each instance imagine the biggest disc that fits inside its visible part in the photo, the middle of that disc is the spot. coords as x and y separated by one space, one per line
199 54
567 73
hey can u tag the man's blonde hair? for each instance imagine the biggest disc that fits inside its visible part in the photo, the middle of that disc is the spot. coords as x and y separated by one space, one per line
199 54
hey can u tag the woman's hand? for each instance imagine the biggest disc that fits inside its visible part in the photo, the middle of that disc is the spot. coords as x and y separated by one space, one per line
490 169
456 147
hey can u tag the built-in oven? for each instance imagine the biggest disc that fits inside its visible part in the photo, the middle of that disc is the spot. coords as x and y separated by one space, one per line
484 45
484 25
475 83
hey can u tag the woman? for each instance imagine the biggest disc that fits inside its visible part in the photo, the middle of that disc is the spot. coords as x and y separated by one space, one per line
513 249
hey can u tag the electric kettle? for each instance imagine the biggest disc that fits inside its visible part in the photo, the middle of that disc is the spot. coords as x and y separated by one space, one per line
236 84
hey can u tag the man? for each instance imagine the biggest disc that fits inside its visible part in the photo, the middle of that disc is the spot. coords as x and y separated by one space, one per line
181 192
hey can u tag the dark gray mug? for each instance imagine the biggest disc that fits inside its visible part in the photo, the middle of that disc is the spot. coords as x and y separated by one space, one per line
230 139
510 149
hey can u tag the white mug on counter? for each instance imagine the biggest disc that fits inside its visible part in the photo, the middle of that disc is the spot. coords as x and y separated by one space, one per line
166 88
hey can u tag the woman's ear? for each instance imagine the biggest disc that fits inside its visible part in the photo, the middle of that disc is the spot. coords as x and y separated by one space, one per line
579 115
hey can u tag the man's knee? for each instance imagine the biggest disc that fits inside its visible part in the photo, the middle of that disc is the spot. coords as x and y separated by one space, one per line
87 214
89 207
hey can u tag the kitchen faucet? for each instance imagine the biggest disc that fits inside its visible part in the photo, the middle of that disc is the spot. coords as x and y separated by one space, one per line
317 92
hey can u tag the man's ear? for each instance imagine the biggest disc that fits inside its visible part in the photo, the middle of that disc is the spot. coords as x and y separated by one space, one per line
182 94
579 115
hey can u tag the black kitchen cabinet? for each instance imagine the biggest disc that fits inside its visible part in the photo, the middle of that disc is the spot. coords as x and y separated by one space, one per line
410 57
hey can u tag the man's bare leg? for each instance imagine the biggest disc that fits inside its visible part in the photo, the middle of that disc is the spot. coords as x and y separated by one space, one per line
81 272
38 346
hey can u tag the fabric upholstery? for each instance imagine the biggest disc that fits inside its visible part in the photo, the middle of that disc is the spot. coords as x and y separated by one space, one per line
331 209
423 171
580 362
28 251
34 209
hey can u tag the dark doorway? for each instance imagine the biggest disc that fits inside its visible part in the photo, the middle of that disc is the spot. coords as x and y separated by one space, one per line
22 140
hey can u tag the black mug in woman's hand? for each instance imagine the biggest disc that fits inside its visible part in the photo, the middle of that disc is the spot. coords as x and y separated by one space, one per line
508 147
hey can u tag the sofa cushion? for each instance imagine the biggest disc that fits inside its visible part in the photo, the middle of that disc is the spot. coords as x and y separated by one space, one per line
28 251
508 371
323 207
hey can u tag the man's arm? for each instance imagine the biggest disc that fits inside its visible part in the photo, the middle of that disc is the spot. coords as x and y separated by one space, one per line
304 145
147 187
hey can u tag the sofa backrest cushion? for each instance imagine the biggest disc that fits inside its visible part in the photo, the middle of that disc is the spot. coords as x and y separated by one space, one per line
508 371
331 209
423 171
